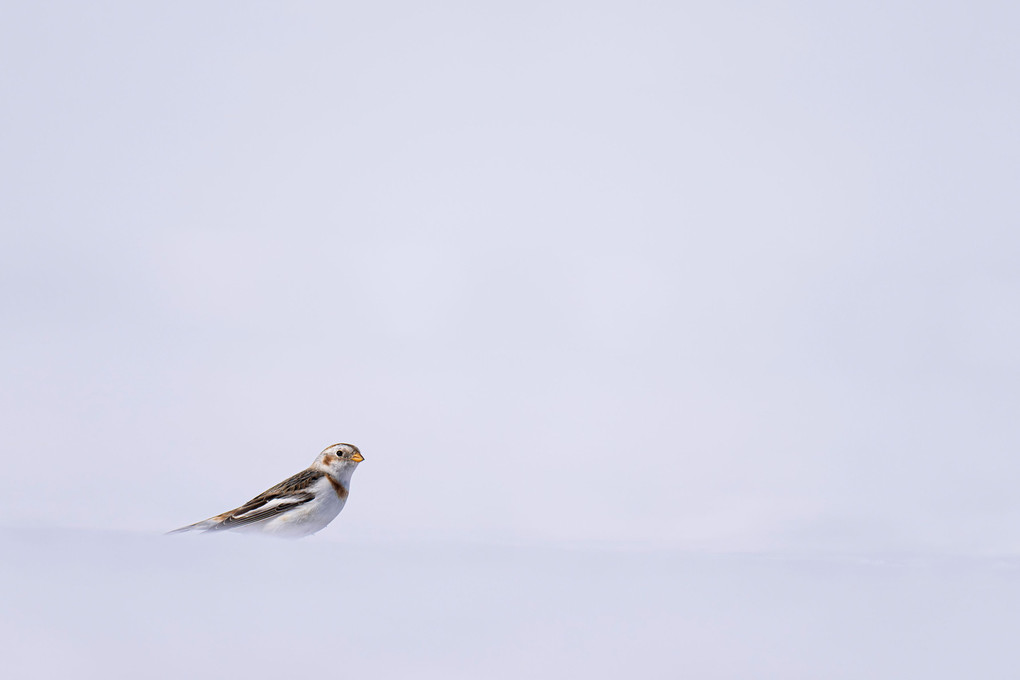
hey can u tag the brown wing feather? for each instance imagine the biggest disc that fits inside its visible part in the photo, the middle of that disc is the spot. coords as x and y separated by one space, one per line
292 487
292 484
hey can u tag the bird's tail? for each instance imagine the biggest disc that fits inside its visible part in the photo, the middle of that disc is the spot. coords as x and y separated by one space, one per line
204 525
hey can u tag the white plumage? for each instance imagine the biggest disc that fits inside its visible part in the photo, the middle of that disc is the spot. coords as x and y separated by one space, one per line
298 506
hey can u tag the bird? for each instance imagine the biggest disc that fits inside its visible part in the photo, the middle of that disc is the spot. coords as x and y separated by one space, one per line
298 506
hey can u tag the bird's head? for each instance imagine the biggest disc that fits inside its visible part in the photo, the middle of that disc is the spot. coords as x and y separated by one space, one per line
339 459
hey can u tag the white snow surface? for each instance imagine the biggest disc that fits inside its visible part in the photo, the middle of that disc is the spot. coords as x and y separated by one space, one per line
81 604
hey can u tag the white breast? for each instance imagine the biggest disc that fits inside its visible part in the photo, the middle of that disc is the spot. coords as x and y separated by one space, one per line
307 518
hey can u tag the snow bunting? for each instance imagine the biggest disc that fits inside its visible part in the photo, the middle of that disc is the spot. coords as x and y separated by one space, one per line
299 505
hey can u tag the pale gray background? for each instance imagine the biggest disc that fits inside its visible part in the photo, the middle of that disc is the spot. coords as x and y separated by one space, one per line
628 271
736 276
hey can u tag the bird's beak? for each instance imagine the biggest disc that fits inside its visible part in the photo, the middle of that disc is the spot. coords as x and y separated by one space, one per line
357 458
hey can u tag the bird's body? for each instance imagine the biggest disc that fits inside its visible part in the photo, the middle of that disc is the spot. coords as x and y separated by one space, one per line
299 505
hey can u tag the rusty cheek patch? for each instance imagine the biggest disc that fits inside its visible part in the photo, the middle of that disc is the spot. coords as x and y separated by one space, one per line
338 487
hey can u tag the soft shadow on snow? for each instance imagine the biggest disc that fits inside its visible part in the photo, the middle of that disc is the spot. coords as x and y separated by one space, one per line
108 605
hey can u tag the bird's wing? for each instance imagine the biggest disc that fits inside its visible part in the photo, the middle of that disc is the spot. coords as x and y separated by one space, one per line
288 494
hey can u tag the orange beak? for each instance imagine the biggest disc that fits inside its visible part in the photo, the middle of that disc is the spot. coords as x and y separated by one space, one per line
357 457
